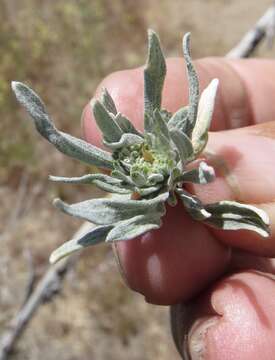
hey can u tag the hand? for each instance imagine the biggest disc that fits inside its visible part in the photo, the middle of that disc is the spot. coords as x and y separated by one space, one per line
226 315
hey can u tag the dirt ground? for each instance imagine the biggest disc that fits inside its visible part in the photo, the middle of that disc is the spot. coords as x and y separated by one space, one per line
96 316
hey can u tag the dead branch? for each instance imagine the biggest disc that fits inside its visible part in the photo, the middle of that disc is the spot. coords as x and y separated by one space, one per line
31 277
262 29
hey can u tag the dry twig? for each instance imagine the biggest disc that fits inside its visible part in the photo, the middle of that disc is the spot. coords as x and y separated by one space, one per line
263 28
31 277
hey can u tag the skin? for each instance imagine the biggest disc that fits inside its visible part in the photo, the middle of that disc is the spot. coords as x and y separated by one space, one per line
223 279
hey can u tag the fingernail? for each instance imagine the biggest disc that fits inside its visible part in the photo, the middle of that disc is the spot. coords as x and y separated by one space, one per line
196 340
190 335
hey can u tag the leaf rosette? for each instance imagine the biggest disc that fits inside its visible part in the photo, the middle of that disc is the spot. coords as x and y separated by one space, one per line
147 170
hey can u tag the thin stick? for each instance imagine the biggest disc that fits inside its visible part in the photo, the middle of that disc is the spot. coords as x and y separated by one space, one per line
264 27
31 279
48 286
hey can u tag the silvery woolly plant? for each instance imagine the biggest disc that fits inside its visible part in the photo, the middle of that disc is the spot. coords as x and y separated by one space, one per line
146 170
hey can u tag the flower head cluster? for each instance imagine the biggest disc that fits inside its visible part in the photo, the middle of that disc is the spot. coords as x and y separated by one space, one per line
146 169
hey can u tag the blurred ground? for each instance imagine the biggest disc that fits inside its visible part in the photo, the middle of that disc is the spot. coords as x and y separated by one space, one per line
63 49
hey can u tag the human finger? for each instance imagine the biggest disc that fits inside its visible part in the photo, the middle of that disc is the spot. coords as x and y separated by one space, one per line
232 320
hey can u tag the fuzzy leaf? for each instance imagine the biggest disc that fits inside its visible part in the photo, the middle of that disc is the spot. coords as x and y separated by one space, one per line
179 120
172 180
155 178
183 145
148 123
104 182
106 122
147 190
131 228
125 140
32 103
165 114
83 151
231 215
233 224
234 207
161 141
108 102
65 143
160 125
126 125
193 81
193 205
138 178
123 177
205 112
154 75
204 174
92 237
109 211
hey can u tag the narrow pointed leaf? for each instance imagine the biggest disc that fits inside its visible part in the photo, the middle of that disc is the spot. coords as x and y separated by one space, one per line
183 145
155 178
233 215
108 102
86 179
172 180
125 140
131 228
180 120
104 182
161 144
81 150
166 115
138 178
204 174
193 82
106 122
32 103
205 112
243 210
148 122
193 205
162 137
126 125
93 237
154 75
123 177
65 143
148 190
109 211
241 224
160 125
